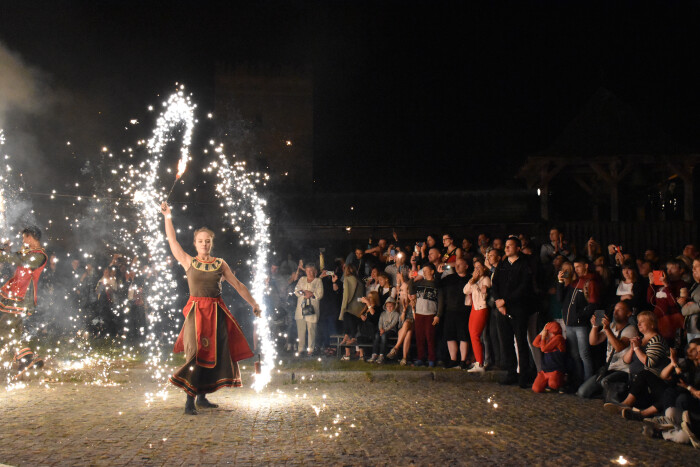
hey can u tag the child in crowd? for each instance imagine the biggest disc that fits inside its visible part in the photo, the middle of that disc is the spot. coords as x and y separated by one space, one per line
386 328
553 347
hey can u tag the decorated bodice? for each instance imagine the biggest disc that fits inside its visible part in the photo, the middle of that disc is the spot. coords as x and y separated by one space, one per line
204 278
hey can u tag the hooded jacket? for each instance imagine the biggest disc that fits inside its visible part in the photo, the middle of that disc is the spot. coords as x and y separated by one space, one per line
553 348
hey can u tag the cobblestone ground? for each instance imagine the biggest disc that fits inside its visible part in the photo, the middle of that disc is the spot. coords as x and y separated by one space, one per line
390 418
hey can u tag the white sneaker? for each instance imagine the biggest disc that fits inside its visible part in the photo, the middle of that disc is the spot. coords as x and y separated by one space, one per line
380 360
372 358
476 368
685 426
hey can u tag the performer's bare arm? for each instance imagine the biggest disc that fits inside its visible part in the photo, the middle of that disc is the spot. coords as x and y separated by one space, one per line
183 258
240 288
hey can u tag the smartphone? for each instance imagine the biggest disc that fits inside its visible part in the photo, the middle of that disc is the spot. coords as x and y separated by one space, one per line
359 299
392 252
599 315
657 277
566 275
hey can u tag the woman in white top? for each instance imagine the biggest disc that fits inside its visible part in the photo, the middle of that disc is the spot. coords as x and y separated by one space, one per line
476 292
309 289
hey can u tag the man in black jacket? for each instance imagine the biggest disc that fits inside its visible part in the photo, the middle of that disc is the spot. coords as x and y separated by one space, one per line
512 291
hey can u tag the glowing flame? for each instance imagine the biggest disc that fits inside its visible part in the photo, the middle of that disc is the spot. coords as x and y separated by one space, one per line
181 167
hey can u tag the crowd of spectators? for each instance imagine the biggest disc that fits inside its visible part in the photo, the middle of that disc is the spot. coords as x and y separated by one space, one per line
98 299
596 321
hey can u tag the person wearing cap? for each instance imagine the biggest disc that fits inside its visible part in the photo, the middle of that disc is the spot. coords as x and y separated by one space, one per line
388 321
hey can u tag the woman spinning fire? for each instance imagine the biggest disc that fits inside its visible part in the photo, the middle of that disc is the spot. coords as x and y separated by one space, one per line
211 338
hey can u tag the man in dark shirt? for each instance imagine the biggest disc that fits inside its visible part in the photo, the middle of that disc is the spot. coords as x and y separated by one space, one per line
512 291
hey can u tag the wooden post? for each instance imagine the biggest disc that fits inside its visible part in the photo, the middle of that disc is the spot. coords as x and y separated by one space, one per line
612 178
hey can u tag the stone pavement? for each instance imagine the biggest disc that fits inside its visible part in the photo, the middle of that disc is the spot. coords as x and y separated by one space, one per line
337 418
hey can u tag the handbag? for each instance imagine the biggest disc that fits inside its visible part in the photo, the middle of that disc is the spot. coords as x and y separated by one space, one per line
307 309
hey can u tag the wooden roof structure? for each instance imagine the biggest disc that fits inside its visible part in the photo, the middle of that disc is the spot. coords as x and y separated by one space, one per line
604 143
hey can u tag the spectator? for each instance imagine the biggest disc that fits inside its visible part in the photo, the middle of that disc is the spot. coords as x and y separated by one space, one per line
579 299
652 257
456 313
648 357
425 292
691 252
664 298
430 242
497 244
512 291
467 250
369 320
556 246
552 344
372 282
690 302
406 324
606 279
385 289
681 401
309 290
291 307
398 270
593 250
379 251
365 325
483 244
617 335
362 262
351 307
494 352
476 292
554 306
645 267
388 321
450 252
330 304
632 288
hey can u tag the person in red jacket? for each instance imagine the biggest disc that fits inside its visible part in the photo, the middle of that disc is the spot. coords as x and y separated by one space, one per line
553 347
18 295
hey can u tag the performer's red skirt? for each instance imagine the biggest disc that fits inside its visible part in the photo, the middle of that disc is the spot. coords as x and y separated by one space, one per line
213 343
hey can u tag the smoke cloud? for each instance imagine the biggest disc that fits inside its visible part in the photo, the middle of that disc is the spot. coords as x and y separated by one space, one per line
19 85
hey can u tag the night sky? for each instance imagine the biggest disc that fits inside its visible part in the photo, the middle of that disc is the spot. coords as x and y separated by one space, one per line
408 94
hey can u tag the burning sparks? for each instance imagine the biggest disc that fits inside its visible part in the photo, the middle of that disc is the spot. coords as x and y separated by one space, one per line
237 187
140 183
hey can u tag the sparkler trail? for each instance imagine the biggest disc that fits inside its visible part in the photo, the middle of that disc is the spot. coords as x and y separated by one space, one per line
237 188
141 185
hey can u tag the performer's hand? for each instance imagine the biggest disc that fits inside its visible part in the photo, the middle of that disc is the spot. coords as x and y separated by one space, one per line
256 310
165 209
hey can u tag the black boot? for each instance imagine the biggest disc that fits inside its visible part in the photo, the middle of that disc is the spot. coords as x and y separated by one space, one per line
204 403
189 406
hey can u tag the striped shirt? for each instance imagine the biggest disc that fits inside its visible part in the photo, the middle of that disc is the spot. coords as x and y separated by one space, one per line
657 353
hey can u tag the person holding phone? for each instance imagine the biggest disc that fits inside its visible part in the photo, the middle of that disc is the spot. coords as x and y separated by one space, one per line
617 334
579 301
663 294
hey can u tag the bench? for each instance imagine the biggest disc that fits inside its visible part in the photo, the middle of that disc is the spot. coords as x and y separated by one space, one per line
336 339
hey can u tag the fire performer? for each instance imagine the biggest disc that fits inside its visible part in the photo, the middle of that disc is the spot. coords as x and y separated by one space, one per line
211 338
18 295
